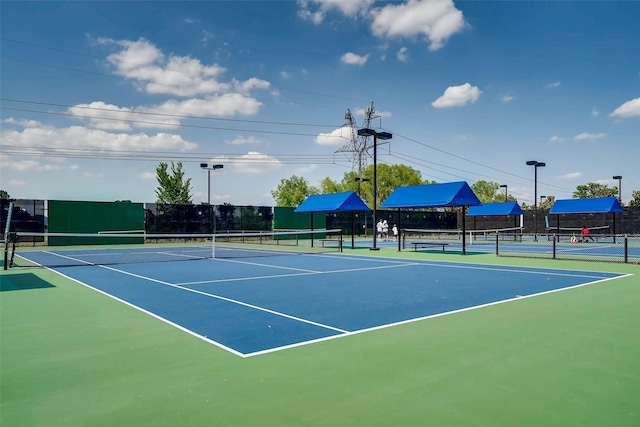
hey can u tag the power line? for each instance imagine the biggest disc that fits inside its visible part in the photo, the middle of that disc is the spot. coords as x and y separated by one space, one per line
179 116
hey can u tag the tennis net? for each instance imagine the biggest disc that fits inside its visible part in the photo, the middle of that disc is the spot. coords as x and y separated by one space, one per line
72 249
412 235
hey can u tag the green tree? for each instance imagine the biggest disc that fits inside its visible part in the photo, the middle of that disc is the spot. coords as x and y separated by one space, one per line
389 177
547 203
293 191
593 190
635 198
173 188
4 195
329 186
486 190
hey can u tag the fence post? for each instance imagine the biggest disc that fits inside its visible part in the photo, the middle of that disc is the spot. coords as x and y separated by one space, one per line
626 249
553 237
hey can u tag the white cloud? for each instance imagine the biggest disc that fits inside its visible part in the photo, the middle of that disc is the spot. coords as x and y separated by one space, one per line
349 8
242 140
339 136
571 175
351 58
22 123
457 96
595 112
306 169
167 115
437 20
403 54
105 116
29 166
92 175
507 98
554 85
156 73
226 105
627 110
285 75
247 86
254 162
589 136
85 139
74 167
556 138
147 175
17 183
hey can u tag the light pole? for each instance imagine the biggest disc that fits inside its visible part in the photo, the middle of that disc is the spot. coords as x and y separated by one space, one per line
384 136
535 165
619 178
506 194
209 169
360 180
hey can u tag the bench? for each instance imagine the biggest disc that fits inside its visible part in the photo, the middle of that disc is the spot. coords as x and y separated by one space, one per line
427 244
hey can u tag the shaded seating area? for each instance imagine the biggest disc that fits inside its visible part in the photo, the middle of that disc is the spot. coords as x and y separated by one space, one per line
506 209
603 205
347 201
452 194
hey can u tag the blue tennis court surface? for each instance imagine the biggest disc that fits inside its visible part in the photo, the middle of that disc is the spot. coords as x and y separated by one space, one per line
256 305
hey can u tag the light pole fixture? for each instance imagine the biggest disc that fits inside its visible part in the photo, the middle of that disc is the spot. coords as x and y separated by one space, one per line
209 169
535 165
360 180
506 194
619 178
384 136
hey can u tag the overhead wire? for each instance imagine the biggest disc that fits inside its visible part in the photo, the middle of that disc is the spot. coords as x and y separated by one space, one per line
144 122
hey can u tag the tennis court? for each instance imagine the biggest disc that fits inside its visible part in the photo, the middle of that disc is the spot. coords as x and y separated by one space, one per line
353 338
254 304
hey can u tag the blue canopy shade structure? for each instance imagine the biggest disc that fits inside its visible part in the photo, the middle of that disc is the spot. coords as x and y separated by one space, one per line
432 196
449 194
336 202
507 208
576 206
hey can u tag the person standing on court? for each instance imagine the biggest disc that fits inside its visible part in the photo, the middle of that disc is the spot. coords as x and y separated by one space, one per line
385 230
586 234
394 230
379 229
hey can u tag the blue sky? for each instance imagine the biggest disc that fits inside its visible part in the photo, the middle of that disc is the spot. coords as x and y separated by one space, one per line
95 94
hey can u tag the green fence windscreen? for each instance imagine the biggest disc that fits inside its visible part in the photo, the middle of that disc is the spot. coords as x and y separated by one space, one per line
284 218
94 217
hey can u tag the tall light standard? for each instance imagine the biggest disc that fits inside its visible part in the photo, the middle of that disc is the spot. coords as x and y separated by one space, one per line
384 136
619 178
535 165
506 194
209 169
360 180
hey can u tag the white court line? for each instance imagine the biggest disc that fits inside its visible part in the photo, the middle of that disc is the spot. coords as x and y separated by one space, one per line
343 332
152 314
262 265
220 297
308 273
417 319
